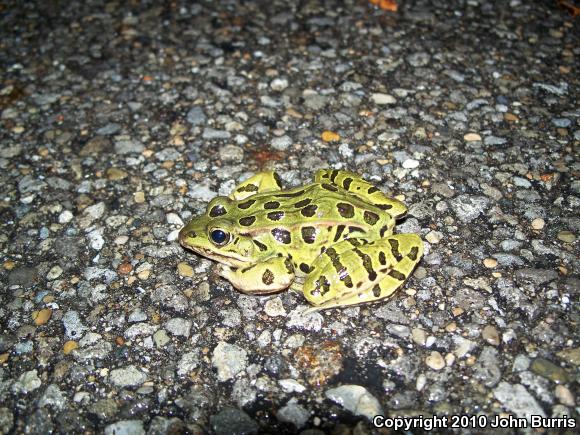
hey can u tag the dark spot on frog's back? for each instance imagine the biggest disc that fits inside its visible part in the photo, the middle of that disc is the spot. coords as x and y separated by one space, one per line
370 217
372 190
271 205
309 210
217 210
247 221
346 183
275 215
303 203
345 210
329 187
304 267
260 245
282 236
308 234
246 204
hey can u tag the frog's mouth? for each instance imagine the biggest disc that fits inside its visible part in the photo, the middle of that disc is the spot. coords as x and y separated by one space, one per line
228 258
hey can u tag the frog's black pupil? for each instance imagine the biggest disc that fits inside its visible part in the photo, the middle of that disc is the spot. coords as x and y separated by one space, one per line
218 236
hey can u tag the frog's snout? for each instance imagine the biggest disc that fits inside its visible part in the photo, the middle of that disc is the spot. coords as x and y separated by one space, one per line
186 234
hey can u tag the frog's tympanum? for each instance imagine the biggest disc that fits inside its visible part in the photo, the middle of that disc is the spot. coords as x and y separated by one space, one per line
331 239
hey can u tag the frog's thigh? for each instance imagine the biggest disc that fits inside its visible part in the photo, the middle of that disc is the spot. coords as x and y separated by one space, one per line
261 182
269 276
375 271
360 187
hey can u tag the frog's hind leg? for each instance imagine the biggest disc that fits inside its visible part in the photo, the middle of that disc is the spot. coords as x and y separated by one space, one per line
365 273
358 186
261 182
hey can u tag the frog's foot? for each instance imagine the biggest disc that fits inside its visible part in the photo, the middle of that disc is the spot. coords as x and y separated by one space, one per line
364 273
264 278
261 182
358 186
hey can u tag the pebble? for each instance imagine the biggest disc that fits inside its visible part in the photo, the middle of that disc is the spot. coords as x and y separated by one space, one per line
293 413
468 207
188 362
54 273
547 369
27 382
160 338
355 399
571 356
490 335
410 164
383 99
178 326
279 84
435 361
196 116
126 145
174 219
566 236
52 397
434 237
515 398
213 134
231 421
274 307
490 263
185 270
41 317
564 396
65 217
538 224
330 136
419 336
291 386
229 360
281 143
69 346
73 326
231 153
125 427
129 376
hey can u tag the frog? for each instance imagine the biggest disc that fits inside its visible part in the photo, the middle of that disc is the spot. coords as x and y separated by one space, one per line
331 240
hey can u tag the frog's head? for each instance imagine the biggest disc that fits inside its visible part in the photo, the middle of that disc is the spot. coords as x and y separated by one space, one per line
216 235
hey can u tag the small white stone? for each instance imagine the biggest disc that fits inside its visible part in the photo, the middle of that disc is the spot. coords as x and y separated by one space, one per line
65 217
435 361
174 219
54 273
279 84
274 307
421 382
383 99
410 164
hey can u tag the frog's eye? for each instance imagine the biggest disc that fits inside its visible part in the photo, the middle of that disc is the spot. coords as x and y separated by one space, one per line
219 237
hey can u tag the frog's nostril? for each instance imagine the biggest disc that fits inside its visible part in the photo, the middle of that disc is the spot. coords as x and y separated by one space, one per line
186 234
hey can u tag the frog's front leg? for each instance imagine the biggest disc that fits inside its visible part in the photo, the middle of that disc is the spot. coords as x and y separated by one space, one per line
356 270
261 182
269 276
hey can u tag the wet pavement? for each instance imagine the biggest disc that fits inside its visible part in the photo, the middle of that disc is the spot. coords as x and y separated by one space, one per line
121 120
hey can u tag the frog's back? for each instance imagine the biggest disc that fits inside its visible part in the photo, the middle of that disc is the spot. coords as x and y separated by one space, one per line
304 221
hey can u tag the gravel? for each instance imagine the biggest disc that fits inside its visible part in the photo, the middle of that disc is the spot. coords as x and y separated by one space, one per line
121 121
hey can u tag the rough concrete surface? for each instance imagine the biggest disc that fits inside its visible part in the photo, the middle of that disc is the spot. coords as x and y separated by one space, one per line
121 120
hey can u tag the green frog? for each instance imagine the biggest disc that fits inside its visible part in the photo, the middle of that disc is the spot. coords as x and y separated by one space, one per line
332 239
